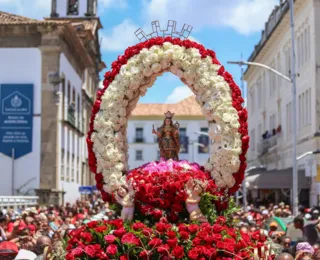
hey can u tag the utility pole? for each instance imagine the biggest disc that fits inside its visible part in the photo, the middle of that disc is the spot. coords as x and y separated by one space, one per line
295 199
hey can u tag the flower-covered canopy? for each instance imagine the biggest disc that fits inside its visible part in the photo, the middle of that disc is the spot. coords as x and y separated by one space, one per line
129 79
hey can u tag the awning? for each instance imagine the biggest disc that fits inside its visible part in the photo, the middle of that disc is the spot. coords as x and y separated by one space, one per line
277 179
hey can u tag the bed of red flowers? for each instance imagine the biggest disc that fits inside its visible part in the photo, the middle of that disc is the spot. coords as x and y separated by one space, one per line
114 239
160 190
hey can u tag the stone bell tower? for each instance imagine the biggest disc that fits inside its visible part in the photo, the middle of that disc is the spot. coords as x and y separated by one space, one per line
73 8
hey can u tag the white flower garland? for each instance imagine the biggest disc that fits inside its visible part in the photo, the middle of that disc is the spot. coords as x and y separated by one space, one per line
212 92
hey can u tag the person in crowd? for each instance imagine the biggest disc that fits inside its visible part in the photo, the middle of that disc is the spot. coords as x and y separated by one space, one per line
284 256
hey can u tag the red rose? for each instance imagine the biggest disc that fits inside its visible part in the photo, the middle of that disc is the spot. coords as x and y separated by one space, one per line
155 242
119 232
161 227
221 220
77 252
147 232
178 252
196 241
171 234
118 223
90 250
70 256
217 228
184 235
163 249
177 207
138 225
112 249
123 257
100 229
172 242
87 237
193 228
109 239
130 238
193 254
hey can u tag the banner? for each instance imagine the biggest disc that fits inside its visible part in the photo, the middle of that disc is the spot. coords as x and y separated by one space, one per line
16 119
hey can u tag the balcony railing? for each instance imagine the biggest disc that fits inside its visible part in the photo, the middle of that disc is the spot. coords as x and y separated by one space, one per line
266 144
139 140
18 201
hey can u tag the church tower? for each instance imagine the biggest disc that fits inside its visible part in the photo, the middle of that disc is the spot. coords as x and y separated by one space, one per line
73 8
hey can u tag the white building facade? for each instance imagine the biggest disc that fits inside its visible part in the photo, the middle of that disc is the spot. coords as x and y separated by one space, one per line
60 56
143 145
270 98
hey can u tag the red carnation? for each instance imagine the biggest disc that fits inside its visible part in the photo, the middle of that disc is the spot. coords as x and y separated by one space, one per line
130 238
112 249
221 220
138 225
109 239
77 251
119 232
172 242
100 229
171 234
184 235
92 224
90 250
217 228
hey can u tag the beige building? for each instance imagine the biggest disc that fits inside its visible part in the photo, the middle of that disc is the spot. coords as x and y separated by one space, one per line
60 56
270 102
143 145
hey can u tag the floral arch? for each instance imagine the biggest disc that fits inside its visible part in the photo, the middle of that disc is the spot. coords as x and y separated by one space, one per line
131 75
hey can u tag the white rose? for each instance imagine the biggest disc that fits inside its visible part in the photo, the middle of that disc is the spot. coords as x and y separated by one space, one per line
156 67
147 71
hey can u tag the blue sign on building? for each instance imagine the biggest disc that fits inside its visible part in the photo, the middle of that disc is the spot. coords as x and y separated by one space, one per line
16 119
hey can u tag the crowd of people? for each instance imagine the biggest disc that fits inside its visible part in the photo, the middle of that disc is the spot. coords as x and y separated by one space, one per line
291 237
38 232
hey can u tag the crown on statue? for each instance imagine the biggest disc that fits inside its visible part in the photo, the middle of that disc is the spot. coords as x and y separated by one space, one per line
169 115
170 31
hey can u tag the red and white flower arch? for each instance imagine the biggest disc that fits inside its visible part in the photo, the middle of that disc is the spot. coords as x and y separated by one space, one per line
131 75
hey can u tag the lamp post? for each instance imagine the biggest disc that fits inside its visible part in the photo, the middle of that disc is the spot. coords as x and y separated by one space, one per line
292 79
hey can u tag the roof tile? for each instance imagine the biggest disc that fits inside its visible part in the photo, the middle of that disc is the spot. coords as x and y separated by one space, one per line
186 107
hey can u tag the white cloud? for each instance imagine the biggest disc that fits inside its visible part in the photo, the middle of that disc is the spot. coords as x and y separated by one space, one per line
120 37
244 16
178 94
36 9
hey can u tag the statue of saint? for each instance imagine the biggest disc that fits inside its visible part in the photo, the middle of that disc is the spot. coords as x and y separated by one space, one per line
168 135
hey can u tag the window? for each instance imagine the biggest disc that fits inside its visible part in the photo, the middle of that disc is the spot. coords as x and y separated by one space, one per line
158 155
308 43
252 99
252 139
303 110
62 165
139 155
272 82
309 107
204 140
63 98
289 112
73 7
77 168
184 140
69 93
72 168
273 124
260 131
139 135
279 69
299 51
259 94
68 167
300 112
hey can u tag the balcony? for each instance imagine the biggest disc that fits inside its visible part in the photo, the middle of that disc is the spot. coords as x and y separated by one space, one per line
71 118
266 144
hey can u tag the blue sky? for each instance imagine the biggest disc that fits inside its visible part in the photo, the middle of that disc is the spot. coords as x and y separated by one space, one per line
229 27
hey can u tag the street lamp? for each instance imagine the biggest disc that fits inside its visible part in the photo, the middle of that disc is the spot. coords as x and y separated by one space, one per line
292 79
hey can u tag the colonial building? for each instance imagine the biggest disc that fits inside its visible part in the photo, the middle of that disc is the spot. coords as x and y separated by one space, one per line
60 58
143 145
270 103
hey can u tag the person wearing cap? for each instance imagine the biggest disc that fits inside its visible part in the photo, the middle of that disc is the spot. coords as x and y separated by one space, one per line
273 227
304 251
24 254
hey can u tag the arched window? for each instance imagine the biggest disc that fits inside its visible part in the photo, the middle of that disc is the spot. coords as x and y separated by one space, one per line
73 7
